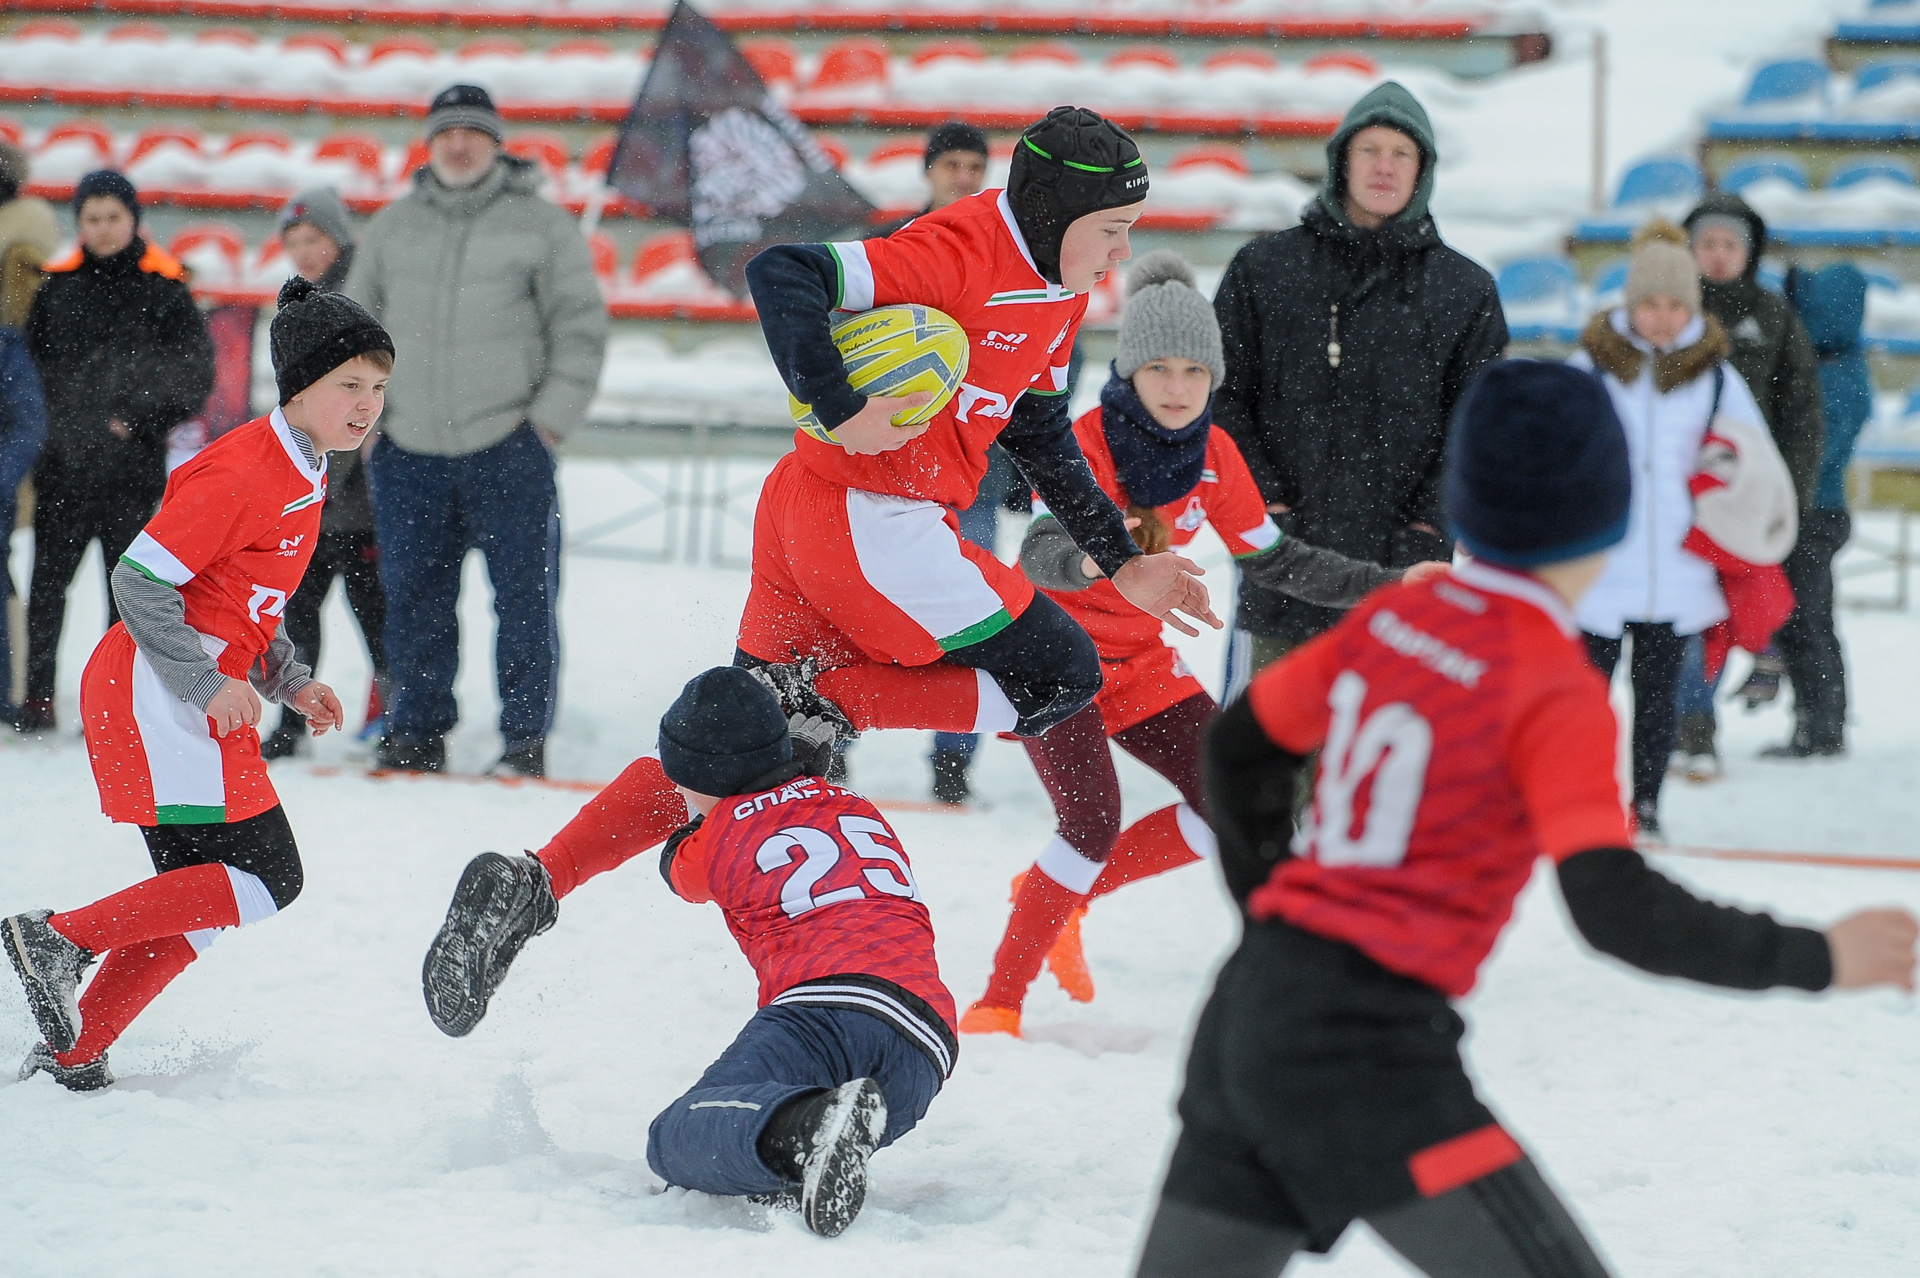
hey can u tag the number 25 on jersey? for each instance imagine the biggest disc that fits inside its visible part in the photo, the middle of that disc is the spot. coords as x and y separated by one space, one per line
1390 749
813 874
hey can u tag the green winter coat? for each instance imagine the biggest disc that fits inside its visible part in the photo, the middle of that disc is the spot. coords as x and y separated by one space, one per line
1771 349
489 294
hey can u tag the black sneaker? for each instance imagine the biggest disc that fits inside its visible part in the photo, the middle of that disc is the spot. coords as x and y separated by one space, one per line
1803 746
1647 817
529 760
289 737
90 1077
950 777
49 966
35 717
792 683
823 1141
404 754
499 903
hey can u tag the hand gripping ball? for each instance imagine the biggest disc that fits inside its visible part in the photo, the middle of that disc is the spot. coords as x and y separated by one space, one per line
896 350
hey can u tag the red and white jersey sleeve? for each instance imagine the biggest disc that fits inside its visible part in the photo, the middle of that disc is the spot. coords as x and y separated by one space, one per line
814 883
234 534
1463 733
970 261
1232 501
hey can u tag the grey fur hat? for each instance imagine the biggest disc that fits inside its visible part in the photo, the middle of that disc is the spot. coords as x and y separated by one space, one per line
1166 315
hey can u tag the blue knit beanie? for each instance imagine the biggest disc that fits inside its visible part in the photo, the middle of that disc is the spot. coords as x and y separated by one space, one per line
1537 466
725 732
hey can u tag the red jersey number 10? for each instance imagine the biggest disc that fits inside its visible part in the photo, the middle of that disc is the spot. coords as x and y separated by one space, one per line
822 854
1390 748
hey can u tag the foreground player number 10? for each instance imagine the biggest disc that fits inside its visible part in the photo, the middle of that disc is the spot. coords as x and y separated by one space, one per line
1391 748
823 852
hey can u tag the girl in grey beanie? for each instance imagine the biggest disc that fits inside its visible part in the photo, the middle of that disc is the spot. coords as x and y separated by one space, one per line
1154 449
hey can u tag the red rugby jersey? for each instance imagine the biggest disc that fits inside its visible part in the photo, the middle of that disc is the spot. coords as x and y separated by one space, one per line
1463 733
1226 497
970 261
814 883
234 533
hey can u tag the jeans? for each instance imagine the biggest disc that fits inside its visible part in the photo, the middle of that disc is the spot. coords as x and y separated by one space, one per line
1696 690
429 511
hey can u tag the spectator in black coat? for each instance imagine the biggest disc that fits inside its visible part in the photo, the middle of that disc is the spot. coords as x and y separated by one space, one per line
1349 339
124 356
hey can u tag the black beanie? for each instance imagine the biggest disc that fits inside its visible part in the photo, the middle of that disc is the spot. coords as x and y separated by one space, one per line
725 731
1064 167
106 182
316 332
465 106
1537 467
954 136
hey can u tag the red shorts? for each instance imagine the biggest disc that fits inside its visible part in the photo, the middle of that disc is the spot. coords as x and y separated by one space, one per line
842 575
1141 685
155 757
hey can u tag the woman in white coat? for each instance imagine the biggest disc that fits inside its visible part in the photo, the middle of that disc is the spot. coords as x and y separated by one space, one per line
1657 356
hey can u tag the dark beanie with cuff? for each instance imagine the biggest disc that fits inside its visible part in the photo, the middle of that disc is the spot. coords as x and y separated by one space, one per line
109 182
1066 166
724 732
316 332
1537 467
465 106
954 136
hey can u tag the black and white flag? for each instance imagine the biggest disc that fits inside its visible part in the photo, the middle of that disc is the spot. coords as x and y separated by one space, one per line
708 146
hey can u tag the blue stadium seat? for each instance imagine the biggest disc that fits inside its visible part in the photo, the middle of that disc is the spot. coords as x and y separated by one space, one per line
1612 278
1786 81
1785 167
1913 402
1882 279
1854 171
1875 74
1664 179
1771 277
1537 280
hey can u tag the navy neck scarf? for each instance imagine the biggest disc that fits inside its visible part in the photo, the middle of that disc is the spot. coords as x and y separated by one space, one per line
1156 466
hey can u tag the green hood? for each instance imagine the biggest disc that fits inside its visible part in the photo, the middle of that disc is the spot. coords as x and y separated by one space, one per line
1389 104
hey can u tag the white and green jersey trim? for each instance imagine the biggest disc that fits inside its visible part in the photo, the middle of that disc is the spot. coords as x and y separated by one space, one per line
156 562
856 276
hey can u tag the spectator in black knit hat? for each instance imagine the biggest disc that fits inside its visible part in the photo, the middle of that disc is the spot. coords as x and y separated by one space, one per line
124 355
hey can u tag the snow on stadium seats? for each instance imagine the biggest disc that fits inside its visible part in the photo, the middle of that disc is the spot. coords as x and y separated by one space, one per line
1785 168
1659 181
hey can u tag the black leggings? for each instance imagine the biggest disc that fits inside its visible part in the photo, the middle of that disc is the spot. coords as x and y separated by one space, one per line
261 845
1655 676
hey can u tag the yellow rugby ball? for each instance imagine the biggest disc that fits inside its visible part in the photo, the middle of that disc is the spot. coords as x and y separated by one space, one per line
896 350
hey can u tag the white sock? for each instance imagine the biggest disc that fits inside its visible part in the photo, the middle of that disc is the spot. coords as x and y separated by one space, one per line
993 713
1065 866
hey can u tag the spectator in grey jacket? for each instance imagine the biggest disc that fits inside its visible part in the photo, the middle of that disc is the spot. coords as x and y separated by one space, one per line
489 290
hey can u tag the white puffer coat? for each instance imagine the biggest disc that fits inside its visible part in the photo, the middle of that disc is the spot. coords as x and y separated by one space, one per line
1650 577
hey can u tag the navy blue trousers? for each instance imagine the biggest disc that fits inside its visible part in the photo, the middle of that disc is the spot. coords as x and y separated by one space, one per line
707 1140
429 511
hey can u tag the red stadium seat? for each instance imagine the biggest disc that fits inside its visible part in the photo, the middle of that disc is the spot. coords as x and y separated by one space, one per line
1142 56
47 29
599 156
580 49
238 36
1213 155
1045 51
606 257
887 152
836 149
10 130
1343 61
773 60
138 31
318 41
659 252
967 49
83 130
851 64
393 46
548 150
1237 59
494 47
361 149
215 239
269 138
153 139
416 156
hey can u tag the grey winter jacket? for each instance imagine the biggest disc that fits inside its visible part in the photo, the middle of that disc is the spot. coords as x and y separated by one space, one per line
489 294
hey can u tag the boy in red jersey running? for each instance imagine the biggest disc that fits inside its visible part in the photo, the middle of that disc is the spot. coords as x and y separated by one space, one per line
1462 735
1156 453
171 696
855 1032
867 608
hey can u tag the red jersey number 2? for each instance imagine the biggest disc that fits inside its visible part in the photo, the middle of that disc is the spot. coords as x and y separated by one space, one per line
1390 748
822 852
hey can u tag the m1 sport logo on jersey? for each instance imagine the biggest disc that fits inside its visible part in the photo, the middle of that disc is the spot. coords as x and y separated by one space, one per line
289 547
1000 341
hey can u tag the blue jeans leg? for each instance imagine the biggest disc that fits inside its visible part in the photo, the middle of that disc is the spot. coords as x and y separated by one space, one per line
708 1139
416 510
512 508
1696 691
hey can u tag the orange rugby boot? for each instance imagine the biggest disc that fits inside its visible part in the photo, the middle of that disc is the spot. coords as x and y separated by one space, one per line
981 1019
1068 962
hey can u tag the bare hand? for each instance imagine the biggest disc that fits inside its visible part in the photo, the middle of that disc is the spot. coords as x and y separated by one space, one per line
235 706
1422 571
871 430
1164 586
1278 508
1092 571
321 707
119 428
1873 947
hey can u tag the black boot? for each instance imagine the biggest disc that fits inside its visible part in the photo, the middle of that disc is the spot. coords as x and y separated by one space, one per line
1646 815
289 736
1806 745
49 966
90 1077
526 760
405 754
950 777
823 1141
499 904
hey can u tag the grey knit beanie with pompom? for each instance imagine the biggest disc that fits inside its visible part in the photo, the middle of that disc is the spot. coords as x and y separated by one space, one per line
1165 315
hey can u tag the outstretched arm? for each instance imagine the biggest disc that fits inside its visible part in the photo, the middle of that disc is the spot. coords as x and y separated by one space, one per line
1315 574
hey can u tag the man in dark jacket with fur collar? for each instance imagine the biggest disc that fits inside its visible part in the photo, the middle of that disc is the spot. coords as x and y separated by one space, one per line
1349 339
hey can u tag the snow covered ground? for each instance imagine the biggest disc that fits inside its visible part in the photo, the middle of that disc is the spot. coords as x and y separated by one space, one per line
287 1108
